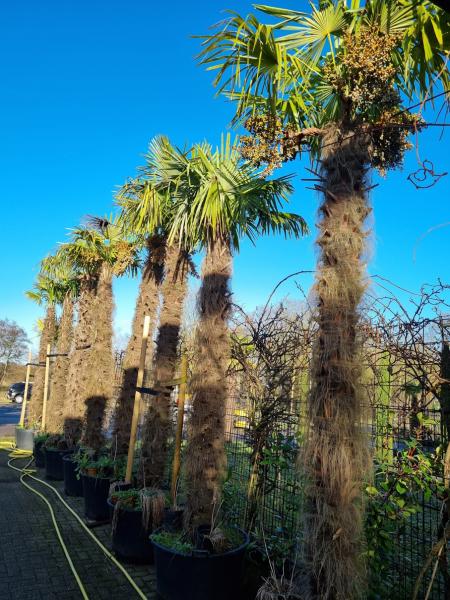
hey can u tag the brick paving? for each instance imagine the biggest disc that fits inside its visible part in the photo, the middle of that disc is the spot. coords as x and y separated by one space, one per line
32 563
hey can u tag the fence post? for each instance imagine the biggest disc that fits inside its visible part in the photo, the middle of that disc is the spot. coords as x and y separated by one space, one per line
137 400
25 394
179 432
47 373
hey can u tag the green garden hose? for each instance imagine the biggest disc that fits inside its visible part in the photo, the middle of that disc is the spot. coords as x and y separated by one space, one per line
16 454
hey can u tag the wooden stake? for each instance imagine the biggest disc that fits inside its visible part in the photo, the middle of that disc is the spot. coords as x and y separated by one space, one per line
47 373
137 400
25 394
179 433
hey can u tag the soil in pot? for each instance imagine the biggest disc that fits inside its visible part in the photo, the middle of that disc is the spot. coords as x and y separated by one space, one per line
73 485
95 493
54 463
24 439
185 573
130 540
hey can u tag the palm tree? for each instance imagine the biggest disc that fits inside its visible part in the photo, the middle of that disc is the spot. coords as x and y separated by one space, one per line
147 211
98 253
219 200
66 279
45 291
334 81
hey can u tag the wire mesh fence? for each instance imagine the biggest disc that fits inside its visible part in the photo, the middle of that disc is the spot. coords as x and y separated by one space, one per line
263 491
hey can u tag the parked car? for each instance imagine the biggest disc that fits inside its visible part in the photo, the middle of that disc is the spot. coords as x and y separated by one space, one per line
16 391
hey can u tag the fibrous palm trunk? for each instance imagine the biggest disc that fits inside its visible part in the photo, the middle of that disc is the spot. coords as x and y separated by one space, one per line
47 337
336 453
100 368
56 400
157 425
79 360
205 457
147 304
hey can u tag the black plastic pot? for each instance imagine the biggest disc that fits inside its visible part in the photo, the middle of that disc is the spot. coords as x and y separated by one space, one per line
54 463
256 570
173 519
72 485
130 541
96 492
24 439
39 454
200 576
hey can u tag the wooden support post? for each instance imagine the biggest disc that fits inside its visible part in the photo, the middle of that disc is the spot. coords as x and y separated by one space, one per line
25 393
47 373
137 400
179 433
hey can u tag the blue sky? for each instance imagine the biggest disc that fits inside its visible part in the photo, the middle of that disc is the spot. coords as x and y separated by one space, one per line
87 83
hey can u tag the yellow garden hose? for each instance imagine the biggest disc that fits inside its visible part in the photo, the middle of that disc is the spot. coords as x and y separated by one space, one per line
15 454
26 472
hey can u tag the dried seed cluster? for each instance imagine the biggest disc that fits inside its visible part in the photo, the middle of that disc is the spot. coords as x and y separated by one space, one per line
364 73
364 79
125 256
362 76
388 142
269 143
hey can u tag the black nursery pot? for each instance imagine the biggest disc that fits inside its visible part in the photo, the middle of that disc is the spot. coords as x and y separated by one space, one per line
24 439
200 576
54 463
96 492
72 485
130 541
39 454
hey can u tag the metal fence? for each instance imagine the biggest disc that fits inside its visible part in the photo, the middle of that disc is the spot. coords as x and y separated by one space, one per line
273 514
263 488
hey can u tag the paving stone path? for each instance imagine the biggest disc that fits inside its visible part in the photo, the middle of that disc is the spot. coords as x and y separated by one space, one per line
32 563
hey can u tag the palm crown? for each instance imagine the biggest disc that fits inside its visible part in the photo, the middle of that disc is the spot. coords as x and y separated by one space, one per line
342 61
102 241
48 290
147 200
199 195
218 196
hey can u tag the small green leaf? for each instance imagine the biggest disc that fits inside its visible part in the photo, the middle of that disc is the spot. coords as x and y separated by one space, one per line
401 489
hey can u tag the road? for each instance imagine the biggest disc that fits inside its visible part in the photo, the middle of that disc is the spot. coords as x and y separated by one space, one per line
9 417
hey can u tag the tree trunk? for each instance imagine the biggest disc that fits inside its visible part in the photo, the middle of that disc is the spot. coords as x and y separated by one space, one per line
336 454
58 383
444 399
100 368
205 457
79 360
47 337
147 304
157 425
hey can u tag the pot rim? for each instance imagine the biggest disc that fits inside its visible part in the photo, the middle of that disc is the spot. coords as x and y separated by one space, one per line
95 477
203 557
124 508
69 456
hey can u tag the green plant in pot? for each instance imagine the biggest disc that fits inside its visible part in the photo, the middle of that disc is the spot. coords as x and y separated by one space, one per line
96 472
136 513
